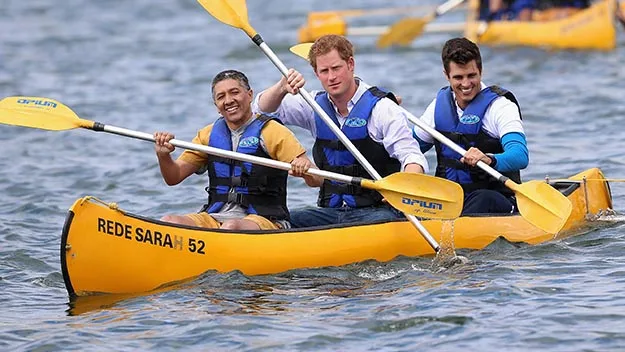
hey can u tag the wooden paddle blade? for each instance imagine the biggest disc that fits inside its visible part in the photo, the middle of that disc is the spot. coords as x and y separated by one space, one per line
230 12
37 112
301 50
542 205
402 32
421 195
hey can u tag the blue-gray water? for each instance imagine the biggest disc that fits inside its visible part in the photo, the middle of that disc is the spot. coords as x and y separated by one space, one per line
147 66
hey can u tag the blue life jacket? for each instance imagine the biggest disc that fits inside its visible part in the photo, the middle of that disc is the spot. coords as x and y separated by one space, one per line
467 132
259 189
331 155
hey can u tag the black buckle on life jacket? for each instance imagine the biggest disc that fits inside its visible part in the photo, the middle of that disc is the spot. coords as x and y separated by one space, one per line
239 181
351 189
454 136
342 188
223 160
235 197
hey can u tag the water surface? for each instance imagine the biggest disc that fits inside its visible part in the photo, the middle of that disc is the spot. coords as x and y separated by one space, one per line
147 66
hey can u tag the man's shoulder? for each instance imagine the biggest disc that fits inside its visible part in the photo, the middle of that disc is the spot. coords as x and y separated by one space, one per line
502 102
206 130
273 122
274 126
362 83
502 109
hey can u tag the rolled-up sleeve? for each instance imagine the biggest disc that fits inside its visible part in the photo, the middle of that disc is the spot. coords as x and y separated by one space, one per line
388 125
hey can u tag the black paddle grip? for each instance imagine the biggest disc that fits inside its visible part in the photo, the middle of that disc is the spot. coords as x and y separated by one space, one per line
258 39
356 181
98 126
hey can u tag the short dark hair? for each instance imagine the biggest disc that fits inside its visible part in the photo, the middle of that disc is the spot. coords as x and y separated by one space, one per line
230 74
461 51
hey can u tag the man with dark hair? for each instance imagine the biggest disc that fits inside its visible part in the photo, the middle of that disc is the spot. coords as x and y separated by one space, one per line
242 195
367 116
484 120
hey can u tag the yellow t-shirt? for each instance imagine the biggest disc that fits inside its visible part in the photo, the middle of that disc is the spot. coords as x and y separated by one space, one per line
278 141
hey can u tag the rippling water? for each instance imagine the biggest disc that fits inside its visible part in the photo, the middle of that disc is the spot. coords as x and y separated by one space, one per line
147 65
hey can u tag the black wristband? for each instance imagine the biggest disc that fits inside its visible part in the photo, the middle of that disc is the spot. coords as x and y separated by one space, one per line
493 160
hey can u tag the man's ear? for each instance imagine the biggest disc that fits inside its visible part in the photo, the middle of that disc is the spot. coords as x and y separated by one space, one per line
351 63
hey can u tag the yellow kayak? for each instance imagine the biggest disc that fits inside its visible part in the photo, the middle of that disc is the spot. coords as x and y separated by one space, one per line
591 28
107 250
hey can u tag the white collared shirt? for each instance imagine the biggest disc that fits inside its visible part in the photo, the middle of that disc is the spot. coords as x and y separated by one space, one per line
501 117
386 126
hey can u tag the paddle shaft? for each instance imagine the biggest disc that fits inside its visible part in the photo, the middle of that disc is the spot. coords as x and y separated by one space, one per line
377 12
429 28
412 193
258 40
99 127
458 149
446 7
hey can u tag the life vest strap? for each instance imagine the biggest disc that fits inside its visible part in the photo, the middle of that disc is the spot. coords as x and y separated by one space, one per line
342 188
331 144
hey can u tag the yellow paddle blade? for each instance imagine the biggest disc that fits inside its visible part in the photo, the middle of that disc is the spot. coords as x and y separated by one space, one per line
420 194
230 12
403 32
407 29
542 205
37 112
301 50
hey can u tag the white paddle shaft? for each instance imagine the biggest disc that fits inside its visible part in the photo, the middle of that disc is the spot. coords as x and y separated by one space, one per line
229 154
446 6
458 149
429 28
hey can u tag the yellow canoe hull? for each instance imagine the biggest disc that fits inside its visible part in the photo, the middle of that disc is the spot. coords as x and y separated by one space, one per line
106 250
593 28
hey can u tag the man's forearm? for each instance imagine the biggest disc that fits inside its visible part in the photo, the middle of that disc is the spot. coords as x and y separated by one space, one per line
270 99
413 167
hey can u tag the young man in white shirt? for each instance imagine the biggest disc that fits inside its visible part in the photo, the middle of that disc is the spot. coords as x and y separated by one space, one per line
485 121
375 124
